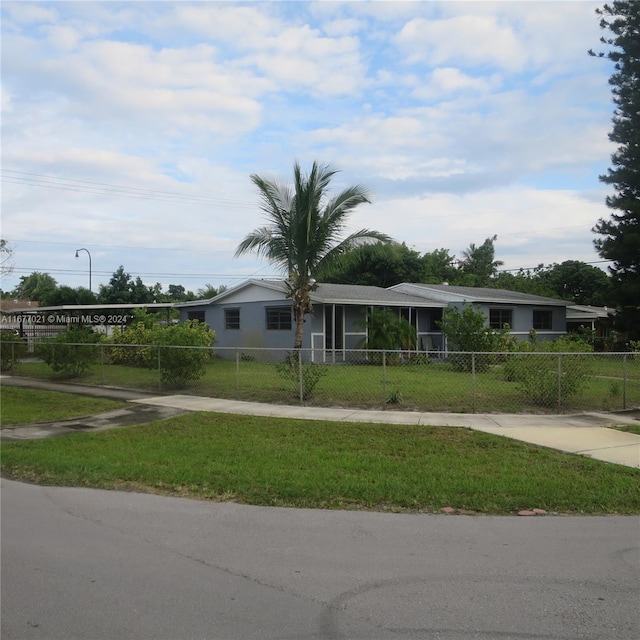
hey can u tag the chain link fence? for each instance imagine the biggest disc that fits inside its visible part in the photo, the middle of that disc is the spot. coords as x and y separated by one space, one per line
461 382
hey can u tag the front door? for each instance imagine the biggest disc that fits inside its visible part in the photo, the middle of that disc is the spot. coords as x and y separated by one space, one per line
333 327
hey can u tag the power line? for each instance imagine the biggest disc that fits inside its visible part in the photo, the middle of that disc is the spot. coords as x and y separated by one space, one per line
106 246
80 272
103 188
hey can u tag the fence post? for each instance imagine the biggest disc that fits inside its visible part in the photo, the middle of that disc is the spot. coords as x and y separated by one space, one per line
624 382
559 382
300 383
384 379
159 371
473 379
237 373
102 363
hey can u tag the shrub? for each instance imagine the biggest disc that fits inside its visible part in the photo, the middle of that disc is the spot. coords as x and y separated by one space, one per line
180 351
184 351
311 374
387 332
467 331
71 353
127 350
12 349
550 373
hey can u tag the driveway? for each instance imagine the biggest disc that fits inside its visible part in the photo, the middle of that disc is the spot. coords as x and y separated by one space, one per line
88 564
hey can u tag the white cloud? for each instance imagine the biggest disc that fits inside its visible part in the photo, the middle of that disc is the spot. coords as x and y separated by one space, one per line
473 40
465 119
445 81
343 27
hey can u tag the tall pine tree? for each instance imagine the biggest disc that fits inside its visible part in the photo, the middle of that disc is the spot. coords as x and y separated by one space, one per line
620 241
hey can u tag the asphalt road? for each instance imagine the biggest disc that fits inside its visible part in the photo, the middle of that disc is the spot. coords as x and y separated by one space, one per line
86 564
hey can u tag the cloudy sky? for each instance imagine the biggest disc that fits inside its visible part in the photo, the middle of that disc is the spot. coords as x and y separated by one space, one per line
131 128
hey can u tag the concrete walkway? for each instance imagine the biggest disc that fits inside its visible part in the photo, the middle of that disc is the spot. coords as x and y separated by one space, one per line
585 434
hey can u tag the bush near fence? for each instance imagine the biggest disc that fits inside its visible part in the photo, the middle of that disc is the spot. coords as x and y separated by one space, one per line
551 373
70 354
180 351
402 380
12 349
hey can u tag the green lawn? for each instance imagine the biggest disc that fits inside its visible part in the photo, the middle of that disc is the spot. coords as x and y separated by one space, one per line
629 428
433 387
327 465
25 406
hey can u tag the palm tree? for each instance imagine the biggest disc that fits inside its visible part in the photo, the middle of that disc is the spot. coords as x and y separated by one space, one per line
304 230
480 263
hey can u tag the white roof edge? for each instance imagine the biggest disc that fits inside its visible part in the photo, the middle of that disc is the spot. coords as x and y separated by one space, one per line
274 285
459 297
379 303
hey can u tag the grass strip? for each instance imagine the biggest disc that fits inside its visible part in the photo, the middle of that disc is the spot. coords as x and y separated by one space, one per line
297 463
629 428
26 406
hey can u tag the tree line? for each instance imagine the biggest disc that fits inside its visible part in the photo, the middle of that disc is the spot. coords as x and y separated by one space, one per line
382 266
121 289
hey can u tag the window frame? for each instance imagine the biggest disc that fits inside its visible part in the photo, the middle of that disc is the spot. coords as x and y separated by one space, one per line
501 310
232 324
283 320
541 326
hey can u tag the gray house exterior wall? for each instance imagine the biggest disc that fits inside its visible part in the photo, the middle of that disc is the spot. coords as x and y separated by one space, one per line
336 324
522 318
519 307
330 331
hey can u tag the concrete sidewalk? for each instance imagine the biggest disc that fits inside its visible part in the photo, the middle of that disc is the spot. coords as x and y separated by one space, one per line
585 434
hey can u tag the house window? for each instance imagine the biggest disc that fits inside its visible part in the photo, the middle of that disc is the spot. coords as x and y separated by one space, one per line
542 319
279 319
195 315
435 318
232 318
499 317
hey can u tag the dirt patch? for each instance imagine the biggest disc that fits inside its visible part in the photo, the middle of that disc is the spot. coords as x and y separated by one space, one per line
128 416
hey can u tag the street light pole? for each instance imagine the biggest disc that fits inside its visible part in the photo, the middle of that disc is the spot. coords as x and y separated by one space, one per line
77 256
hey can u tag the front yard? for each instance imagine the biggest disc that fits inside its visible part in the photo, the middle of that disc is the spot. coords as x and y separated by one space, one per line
316 464
607 385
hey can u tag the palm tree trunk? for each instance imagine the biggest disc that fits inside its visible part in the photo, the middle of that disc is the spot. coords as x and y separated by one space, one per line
297 343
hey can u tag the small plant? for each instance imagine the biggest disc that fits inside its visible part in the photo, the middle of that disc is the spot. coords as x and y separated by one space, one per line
387 332
296 373
615 391
394 398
